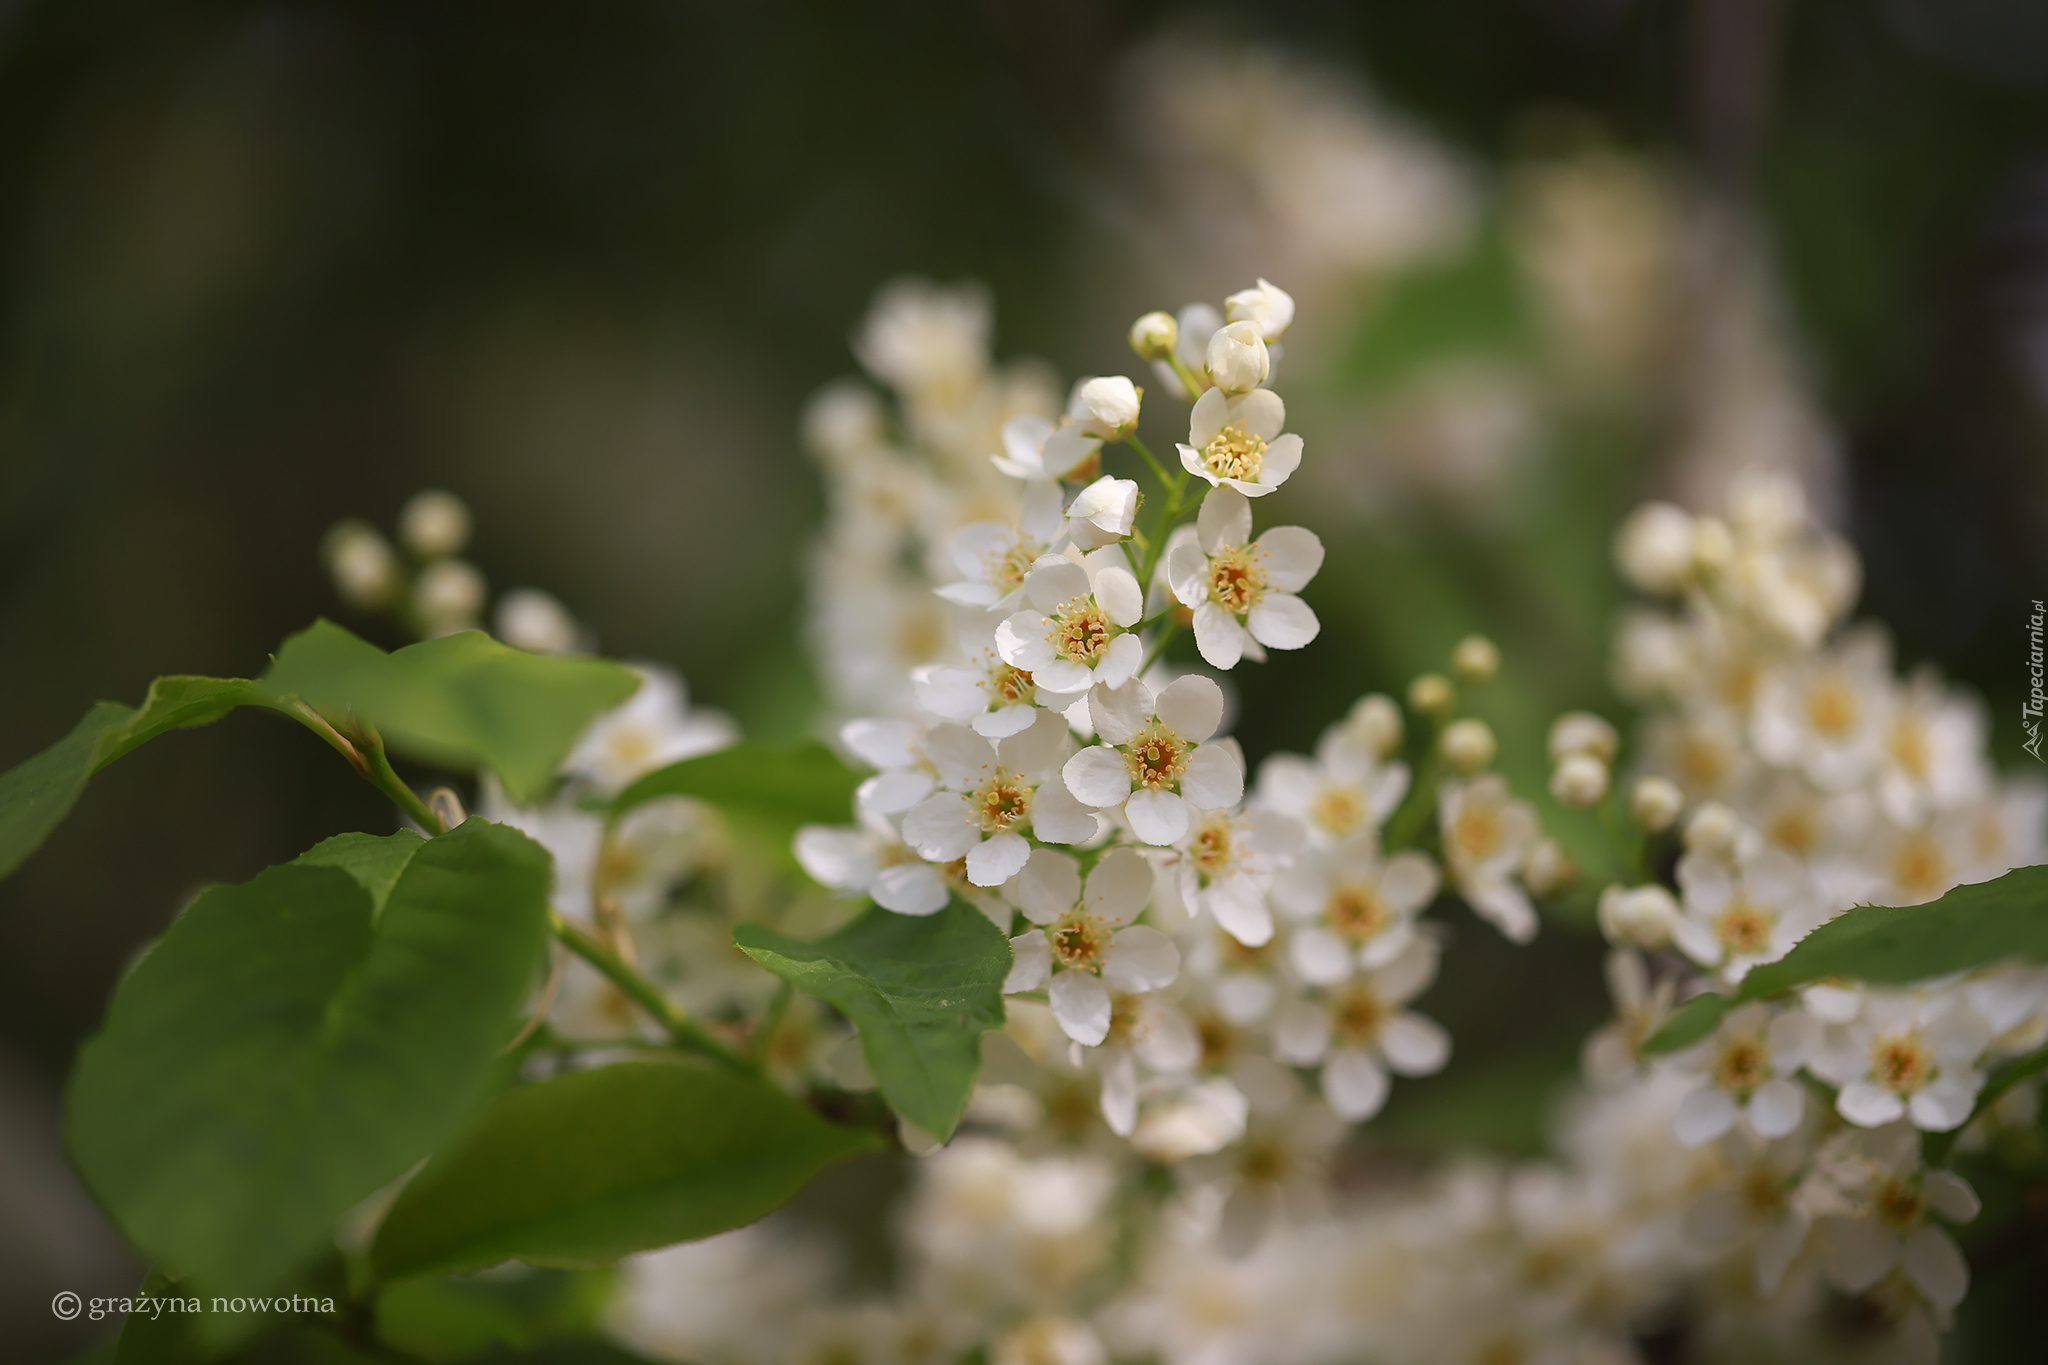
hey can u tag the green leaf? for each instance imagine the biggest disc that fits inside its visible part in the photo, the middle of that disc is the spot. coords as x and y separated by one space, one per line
921 990
1687 1024
2002 920
286 1050
37 794
773 787
163 1337
594 1165
462 701
375 861
455 1318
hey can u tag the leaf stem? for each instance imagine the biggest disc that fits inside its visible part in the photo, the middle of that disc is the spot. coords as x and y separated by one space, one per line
764 1037
1159 646
365 753
683 1031
1408 821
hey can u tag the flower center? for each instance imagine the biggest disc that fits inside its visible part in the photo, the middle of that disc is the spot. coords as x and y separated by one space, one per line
1357 1016
1003 801
1080 631
1262 1163
1745 929
1078 941
1901 1063
1898 1204
1211 847
1236 579
1831 708
1356 911
1011 685
1218 1039
1005 569
1742 1066
1909 747
1156 757
1919 869
1234 453
1338 809
1477 831
1763 1190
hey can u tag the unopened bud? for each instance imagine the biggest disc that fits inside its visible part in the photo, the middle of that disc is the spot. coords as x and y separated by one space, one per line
1549 868
1713 545
1268 306
1580 780
1643 916
1582 732
434 524
1106 407
1468 745
1475 660
1377 722
363 565
1153 336
1432 695
449 596
1237 361
1655 802
531 619
1713 828
1103 512
1654 548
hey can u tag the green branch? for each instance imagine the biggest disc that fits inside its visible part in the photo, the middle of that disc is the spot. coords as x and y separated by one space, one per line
683 1031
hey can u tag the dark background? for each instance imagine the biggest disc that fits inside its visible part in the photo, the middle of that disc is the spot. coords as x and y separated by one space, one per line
265 265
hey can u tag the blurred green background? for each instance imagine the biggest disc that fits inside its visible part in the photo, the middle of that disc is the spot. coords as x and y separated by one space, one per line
265 265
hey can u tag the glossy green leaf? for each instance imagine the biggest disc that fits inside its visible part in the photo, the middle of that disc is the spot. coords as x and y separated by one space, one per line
1687 1024
594 1165
448 1318
774 787
2004 919
921 990
286 1049
463 701
159 1335
36 794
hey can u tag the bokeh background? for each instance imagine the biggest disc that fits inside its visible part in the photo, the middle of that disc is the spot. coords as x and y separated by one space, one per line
266 265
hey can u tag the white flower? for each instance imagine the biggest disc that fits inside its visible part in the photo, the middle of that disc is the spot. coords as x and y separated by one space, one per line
1268 306
1933 753
993 697
1345 791
1103 512
1237 440
651 729
896 749
1237 360
993 557
448 596
433 524
1242 591
1905 1055
1224 862
1086 938
1747 1065
1609 1056
1880 1171
1357 908
1487 835
362 563
992 795
1743 906
869 860
1037 450
1153 762
926 339
1654 548
1105 407
1360 1031
1758 1198
1827 715
1643 916
1075 628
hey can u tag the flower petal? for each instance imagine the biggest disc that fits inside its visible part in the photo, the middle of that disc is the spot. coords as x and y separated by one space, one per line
1208 416
1354 1085
995 860
1855 1252
1214 779
1097 777
1120 1095
1118 594
1118 665
940 828
1119 886
1703 1115
1319 956
1191 706
1057 818
1283 457
1414 1045
1030 962
1239 907
1120 712
1156 817
1280 620
1301 1033
1293 554
1936 1267
1140 958
1054 580
1503 905
911 889
1225 519
1187 572
1049 885
1081 1005
963 758
1867 1104
836 856
1776 1107
1218 636
1950 1196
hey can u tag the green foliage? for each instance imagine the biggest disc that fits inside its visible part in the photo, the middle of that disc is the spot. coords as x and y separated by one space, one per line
772 788
2002 920
921 990
451 1318
464 701
594 1165
158 1338
36 794
289 1046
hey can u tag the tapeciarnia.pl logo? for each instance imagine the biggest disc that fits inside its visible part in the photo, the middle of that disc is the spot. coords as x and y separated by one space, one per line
2030 710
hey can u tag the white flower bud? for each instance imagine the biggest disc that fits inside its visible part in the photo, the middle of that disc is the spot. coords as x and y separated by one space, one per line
1475 660
1377 722
1103 512
1579 780
531 619
1106 407
843 420
1267 305
1713 545
1468 745
1640 915
448 595
1153 336
1713 828
1767 504
1549 868
363 565
1655 802
1582 732
1654 547
434 524
1432 695
1237 360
